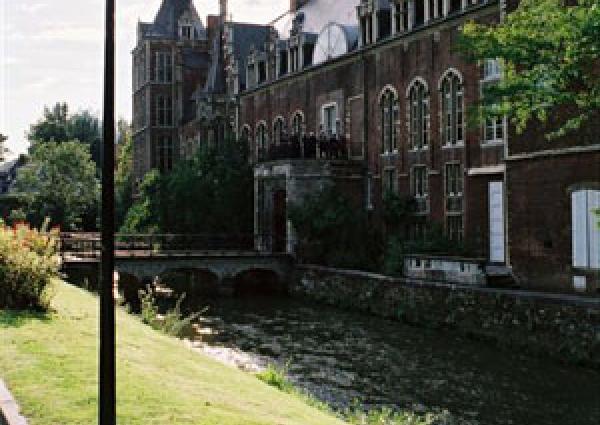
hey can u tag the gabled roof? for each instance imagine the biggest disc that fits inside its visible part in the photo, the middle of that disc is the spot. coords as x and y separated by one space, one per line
165 23
244 36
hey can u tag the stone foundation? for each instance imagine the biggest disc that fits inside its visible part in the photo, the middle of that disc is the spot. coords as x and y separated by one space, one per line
566 328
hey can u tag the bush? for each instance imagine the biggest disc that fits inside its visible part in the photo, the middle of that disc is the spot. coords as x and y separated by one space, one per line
28 263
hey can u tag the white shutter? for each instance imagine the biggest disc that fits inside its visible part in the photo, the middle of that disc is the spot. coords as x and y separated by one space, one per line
593 204
579 228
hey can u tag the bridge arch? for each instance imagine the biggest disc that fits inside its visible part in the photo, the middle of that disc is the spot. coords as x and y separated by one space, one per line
193 281
258 281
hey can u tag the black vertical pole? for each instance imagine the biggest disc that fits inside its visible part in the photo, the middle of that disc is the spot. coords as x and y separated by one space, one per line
107 396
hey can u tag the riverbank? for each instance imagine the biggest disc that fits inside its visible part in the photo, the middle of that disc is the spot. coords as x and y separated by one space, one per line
565 328
49 363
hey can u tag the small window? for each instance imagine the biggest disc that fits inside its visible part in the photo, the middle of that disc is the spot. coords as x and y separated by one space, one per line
164 111
186 32
329 119
492 69
586 228
494 129
278 130
163 155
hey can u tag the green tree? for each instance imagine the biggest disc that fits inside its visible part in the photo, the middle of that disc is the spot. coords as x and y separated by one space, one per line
334 232
61 184
551 55
211 193
124 180
58 126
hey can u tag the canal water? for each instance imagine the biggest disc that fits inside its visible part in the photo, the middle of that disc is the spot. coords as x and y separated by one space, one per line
342 357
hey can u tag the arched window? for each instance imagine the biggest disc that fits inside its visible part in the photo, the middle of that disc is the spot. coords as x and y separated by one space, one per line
418 114
278 130
452 98
298 124
261 140
388 104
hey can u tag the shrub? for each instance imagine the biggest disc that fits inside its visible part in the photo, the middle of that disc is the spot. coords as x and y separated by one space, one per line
28 263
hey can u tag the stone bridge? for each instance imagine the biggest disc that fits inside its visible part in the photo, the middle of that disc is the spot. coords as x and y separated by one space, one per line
216 270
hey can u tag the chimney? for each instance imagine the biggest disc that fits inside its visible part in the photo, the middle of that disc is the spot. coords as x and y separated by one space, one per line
223 10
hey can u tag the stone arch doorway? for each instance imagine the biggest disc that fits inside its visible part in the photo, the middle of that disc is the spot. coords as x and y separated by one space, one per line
258 282
279 233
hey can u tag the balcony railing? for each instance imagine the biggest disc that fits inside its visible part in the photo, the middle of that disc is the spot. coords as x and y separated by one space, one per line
306 148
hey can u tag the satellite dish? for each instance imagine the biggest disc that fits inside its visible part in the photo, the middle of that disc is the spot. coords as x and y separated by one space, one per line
334 40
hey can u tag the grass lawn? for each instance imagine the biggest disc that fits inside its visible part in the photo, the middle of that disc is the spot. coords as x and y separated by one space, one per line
50 365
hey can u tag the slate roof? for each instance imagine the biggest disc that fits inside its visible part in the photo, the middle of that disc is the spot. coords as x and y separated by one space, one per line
8 166
165 23
244 36
318 13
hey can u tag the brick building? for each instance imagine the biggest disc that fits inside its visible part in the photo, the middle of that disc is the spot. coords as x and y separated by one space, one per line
372 95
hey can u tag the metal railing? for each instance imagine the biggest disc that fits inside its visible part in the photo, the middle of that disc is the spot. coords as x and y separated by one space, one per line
90 244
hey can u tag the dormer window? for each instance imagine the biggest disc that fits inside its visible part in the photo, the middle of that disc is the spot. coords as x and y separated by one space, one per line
186 32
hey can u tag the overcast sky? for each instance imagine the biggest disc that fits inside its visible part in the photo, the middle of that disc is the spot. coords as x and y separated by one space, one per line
51 50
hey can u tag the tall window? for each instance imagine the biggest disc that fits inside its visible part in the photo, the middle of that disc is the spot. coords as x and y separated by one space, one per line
329 118
390 181
389 117
454 205
164 111
278 128
297 124
585 229
454 179
163 155
245 136
261 140
452 109
163 67
454 227
418 111
420 185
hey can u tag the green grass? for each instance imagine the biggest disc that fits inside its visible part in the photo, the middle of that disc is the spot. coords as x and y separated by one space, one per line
50 361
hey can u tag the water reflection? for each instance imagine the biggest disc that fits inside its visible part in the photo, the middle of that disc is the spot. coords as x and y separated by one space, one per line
339 356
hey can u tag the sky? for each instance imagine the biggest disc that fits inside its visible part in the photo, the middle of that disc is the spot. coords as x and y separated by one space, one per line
52 51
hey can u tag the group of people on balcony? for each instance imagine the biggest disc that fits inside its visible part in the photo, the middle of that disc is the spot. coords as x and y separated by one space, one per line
327 144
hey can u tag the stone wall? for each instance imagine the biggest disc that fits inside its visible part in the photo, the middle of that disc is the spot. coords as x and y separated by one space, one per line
565 327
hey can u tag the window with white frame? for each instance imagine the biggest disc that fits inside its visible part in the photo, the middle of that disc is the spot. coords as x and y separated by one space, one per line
389 117
390 181
163 67
420 185
454 179
452 99
494 129
164 111
186 32
329 118
585 228
418 115
492 69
